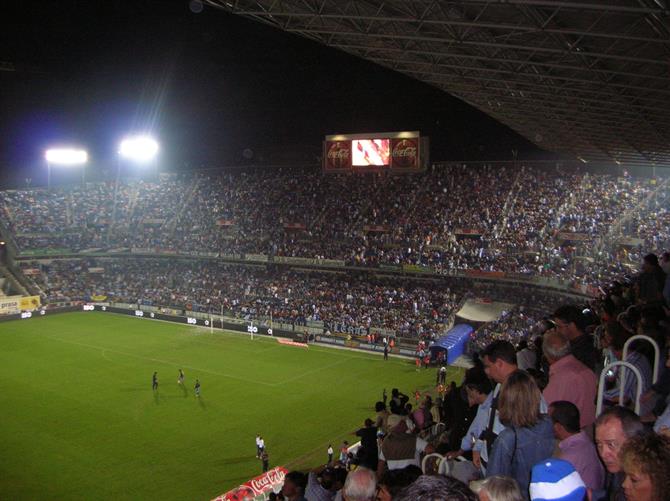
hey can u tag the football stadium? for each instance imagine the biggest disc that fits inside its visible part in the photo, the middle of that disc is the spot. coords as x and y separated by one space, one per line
335 250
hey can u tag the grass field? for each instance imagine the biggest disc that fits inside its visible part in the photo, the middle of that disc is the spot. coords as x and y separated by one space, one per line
80 421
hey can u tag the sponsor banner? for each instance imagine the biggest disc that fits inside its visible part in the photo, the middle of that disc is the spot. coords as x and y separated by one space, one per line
376 228
96 269
99 298
630 242
222 221
10 305
90 250
45 252
294 226
390 267
229 256
405 153
309 261
571 236
484 273
116 250
330 340
141 250
31 271
337 156
289 342
519 276
256 257
468 231
415 268
153 222
352 344
29 303
257 489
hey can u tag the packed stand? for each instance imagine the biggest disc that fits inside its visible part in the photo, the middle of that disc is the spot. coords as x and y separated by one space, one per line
533 433
527 221
340 303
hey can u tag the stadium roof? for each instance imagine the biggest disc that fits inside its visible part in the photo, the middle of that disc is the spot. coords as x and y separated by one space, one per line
588 79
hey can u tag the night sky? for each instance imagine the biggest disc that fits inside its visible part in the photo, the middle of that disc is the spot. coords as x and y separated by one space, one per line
208 85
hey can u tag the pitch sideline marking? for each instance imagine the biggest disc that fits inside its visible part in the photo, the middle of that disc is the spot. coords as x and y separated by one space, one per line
157 360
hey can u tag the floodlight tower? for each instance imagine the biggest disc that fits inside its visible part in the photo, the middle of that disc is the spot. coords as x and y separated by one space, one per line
141 150
66 157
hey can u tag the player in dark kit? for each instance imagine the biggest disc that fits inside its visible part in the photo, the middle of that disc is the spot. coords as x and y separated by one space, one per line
180 379
154 381
197 388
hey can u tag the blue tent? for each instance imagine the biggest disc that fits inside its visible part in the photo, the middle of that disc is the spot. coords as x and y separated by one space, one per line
453 342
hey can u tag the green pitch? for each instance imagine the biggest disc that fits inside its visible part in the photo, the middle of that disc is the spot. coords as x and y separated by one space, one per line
80 421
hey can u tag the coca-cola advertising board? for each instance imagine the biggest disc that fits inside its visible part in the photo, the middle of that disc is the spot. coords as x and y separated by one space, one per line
337 155
257 489
376 152
405 153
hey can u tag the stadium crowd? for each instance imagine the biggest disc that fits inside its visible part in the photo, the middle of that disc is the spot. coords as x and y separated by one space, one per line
341 303
524 425
531 221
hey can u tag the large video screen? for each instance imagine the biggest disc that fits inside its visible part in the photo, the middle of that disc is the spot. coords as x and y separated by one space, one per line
367 152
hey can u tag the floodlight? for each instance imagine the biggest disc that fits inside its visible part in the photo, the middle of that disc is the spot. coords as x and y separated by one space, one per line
66 156
139 148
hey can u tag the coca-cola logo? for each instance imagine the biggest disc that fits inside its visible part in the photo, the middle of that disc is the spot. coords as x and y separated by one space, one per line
270 479
405 153
338 155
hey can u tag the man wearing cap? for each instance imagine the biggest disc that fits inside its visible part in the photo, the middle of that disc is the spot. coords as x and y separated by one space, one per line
400 449
556 480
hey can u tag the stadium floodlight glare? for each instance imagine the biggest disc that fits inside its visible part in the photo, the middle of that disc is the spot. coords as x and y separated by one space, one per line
139 148
66 156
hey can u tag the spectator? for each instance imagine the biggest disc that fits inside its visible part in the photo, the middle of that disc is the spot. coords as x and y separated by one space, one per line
525 357
361 485
398 401
478 390
434 488
368 453
321 485
571 323
646 462
394 481
574 444
499 359
665 266
651 281
556 480
294 486
616 337
528 435
497 489
569 379
381 418
614 427
400 449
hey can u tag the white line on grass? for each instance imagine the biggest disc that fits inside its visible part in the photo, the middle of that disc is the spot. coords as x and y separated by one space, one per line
158 360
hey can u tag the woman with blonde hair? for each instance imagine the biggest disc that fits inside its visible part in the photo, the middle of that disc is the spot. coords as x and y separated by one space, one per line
646 463
528 436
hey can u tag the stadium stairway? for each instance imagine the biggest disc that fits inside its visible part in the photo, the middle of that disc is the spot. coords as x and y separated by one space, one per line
10 283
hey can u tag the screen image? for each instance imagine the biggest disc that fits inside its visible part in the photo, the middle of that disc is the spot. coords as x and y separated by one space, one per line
365 152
